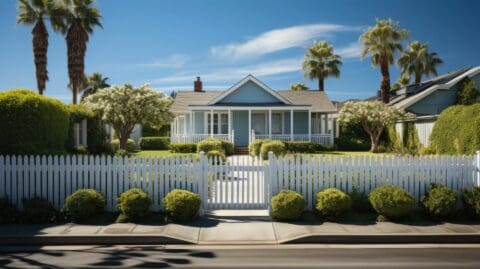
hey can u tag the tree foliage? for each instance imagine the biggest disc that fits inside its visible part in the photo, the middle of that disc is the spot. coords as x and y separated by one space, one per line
418 61
126 105
321 63
467 93
298 87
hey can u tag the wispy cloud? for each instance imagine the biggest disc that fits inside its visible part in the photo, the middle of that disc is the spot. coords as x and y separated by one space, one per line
172 61
278 39
352 50
264 69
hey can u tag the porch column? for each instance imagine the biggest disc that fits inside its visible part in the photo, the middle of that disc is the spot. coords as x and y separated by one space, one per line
211 123
270 123
229 124
249 125
310 125
185 124
191 122
326 123
291 124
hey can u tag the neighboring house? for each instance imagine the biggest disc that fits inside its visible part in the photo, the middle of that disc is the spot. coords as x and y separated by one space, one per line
251 110
430 98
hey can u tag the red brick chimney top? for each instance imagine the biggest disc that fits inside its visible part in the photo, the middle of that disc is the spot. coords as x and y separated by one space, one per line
197 85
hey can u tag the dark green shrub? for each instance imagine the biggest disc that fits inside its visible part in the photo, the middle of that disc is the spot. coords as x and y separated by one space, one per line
32 124
457 130
154 143
209 144
7 211
391 202
183 148
351 144
467 92
360 201
300 147
131 147
332 203
287 205
122 153
182 205
134 204
440 201
84 204
227 147
217 155
277 147
255 146
471 201
148 130
79 150
38 210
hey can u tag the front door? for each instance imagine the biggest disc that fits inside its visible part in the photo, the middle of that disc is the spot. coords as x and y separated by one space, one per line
240 127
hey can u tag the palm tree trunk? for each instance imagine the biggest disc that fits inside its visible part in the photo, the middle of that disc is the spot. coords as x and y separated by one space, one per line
321 84
418 78
40 47
385 86
77 39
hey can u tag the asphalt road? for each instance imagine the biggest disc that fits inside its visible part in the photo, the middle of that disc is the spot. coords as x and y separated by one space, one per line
283 256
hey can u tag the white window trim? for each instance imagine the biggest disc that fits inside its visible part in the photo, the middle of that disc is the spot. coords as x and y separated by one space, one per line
207 117
282 125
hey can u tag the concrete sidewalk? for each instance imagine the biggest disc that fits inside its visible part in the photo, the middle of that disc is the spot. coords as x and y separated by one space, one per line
240 231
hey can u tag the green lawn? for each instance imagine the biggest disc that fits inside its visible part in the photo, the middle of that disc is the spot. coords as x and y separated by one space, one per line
166 153
159 153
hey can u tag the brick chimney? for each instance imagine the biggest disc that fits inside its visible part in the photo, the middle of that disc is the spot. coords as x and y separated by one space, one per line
197 85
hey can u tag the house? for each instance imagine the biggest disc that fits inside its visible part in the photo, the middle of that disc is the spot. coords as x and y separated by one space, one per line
251 110
428 99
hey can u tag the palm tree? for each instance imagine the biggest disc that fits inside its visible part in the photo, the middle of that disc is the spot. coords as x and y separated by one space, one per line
321 63
419 61
35 12
95 82
298 87
82 18
403 81
381 42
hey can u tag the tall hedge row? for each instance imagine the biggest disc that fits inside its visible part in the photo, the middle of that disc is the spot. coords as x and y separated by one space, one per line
32 124
457 130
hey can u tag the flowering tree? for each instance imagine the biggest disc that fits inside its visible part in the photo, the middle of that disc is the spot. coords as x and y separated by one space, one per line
124 106
374 117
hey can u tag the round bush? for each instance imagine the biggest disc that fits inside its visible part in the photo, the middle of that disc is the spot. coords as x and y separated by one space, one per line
216 154
134 204
154 143
254 147
457 130
471 201
182 205
131 147
38 210
277 147
332 203
228 147
288 205
209 144
84 204
391 202
440 201
7 211
32 124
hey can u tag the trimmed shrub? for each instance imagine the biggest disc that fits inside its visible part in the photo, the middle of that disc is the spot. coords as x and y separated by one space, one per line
219 155
332 203
154 143
134 204
360 201
84 204
300 147
457 130
131 147
227 147
277 147
182 205
440 201
351 144
471 201
255 146
209 144
183 148
122 153
7 211
391 202
32 124
288 205
38 210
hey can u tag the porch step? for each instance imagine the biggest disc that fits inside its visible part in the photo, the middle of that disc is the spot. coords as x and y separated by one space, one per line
241 150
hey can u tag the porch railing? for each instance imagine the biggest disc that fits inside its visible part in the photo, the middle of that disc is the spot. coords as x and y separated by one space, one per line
195 138
323 139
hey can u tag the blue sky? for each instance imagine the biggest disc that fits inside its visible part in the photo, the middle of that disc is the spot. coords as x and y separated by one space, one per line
168 43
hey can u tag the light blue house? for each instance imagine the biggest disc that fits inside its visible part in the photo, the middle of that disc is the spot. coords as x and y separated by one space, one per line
251 110
430 98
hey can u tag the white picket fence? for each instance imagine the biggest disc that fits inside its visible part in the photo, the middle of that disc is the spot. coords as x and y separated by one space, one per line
240 183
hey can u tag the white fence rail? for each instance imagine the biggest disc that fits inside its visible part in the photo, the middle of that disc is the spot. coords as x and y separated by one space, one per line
322 139
240 183
195 138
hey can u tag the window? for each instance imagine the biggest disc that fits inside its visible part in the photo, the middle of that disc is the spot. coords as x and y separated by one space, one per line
277 123
220 122
259 125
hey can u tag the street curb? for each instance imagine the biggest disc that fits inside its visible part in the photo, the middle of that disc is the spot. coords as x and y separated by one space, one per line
395 238
143 239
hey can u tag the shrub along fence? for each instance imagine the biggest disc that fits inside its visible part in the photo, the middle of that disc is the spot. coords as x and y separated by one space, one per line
239 183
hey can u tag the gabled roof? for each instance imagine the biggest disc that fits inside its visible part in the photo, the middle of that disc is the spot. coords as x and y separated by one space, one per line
242 82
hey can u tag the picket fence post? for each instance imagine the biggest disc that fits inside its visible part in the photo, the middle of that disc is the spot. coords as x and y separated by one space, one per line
203 183
270 179
477 168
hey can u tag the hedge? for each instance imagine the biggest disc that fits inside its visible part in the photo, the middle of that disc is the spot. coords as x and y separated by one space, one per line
183 148
457 130
32 124
254 147
276 147
209 144
300 147
154 143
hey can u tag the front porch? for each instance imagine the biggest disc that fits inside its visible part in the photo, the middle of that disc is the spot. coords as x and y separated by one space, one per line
242 125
